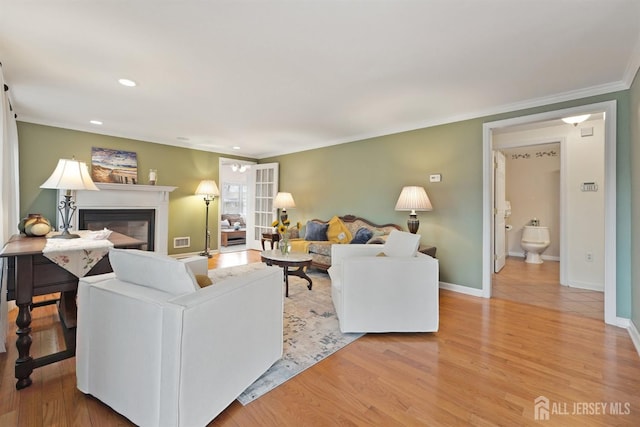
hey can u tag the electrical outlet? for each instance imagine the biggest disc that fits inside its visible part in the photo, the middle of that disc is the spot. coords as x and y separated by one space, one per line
589 257
435 177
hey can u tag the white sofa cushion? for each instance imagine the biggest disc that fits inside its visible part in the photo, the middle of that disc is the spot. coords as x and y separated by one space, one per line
402 244
152 270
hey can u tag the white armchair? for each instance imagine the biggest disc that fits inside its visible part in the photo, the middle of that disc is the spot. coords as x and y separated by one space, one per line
163 352
385 288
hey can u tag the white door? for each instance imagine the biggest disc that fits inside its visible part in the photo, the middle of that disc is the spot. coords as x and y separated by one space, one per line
499 224
265 187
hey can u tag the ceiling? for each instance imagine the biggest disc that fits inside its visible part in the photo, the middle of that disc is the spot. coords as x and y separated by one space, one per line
275 77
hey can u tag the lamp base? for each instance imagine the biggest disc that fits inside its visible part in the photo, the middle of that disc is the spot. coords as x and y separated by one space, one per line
206 253
65 236
413 223
284 216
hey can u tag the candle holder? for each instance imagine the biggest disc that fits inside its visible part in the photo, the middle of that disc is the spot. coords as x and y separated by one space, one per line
153 176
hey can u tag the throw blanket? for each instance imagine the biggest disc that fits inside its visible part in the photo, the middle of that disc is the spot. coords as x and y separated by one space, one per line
78 256
300 245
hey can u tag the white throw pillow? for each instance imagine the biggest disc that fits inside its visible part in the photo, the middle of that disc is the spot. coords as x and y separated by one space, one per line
152 270
401 243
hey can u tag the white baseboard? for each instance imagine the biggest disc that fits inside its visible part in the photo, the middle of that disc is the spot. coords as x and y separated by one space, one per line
461 289
190 254
587 285
634 334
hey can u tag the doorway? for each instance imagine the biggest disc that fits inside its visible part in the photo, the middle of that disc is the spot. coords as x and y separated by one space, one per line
234 206
609 187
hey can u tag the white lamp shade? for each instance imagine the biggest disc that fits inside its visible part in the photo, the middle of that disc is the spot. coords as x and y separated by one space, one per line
70 175
413 198
207 188
284 201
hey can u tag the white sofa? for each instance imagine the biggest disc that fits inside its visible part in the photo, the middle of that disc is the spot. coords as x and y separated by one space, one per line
163 352
385 288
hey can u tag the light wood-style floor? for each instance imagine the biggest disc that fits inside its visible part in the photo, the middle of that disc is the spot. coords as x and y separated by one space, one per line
485 366
539 285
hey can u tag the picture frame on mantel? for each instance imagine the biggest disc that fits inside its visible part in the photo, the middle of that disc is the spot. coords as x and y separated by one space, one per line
114 166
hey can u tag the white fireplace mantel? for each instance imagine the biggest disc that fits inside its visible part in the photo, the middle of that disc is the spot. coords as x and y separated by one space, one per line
128 196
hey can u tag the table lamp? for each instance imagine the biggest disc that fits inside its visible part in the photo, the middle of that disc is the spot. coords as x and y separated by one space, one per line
208 189
283 201
69 175
413 198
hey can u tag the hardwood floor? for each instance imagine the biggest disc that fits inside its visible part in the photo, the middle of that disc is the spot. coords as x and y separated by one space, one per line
485 366
539 284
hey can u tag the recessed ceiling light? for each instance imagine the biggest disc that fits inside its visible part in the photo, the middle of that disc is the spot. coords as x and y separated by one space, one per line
236 148
127 82
95 122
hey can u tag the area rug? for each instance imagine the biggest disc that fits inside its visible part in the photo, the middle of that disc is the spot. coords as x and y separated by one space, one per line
311 333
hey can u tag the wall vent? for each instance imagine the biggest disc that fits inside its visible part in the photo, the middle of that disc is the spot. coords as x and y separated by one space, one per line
181 242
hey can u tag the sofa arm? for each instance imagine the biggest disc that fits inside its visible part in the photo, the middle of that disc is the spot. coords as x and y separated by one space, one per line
197 264
231 333
341 252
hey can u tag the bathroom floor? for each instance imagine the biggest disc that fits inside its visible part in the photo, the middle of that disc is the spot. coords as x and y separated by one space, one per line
539 284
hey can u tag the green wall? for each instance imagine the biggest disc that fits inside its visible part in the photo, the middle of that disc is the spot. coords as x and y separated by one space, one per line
42 146
364 178
635 201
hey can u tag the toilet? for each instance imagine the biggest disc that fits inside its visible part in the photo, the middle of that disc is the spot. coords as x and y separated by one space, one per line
535 240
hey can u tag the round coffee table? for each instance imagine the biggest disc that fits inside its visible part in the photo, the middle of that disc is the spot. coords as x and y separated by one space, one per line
292 259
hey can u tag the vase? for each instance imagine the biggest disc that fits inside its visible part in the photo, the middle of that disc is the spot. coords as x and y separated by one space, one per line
284 247
34 225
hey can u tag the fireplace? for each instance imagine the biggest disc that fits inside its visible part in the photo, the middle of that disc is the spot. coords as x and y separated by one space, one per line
146 205
136 223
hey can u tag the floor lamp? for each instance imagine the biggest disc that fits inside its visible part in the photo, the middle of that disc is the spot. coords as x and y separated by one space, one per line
413 198
209 190
69 175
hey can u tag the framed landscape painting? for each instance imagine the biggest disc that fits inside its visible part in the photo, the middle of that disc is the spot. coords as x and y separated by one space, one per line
114 166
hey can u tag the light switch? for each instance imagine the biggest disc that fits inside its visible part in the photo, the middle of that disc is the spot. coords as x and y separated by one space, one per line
435 178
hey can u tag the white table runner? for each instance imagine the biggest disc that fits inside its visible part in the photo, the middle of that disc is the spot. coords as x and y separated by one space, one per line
78 256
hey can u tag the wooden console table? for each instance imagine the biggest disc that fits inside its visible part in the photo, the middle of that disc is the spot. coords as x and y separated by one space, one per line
28 273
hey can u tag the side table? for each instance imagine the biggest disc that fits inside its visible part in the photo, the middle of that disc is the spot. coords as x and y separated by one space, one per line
428 250
269 237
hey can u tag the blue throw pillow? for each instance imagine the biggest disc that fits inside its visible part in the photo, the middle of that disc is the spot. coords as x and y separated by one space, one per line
362 235
316 231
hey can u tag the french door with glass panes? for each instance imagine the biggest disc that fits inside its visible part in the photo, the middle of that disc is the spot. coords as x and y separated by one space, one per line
265 186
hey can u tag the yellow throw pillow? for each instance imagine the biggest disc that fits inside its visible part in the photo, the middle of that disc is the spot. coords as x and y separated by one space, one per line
338 232
203 280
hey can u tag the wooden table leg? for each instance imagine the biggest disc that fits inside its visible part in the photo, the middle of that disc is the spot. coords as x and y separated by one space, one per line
286 280
24 290
302 274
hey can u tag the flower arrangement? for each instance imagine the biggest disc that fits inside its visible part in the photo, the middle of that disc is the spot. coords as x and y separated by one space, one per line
282 228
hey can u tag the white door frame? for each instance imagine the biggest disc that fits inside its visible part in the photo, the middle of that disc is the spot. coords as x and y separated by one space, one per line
609 108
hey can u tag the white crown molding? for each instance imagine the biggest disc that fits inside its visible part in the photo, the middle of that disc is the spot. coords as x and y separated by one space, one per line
633 65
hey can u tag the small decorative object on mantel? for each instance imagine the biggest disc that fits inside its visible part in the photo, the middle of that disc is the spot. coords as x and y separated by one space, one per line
34 225
153 176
